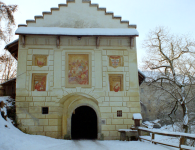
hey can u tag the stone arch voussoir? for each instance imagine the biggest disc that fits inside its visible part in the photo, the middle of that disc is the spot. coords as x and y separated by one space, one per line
73 101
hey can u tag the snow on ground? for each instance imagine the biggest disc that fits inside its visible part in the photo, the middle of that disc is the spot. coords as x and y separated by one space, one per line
176 128
4 100
168 128
12 138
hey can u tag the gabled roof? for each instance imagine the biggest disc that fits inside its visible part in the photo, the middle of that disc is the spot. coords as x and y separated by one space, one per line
141 76
13 48
73 11
10 81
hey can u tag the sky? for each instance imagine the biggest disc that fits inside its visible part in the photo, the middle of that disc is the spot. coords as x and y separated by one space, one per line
177 15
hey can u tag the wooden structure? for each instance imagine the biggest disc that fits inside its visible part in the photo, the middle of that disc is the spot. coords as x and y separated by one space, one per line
132 133
9 88
128 134
181 136
137 118
13 48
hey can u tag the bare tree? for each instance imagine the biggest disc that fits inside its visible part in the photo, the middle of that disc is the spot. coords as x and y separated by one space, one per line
7 21
173 58
8 67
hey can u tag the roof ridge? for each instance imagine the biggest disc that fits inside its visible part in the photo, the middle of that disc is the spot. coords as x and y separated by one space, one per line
83 1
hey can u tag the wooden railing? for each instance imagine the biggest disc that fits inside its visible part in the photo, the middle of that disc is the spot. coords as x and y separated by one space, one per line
182 137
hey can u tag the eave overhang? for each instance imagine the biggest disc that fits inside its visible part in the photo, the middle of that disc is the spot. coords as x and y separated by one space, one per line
126 32
141 76
13 48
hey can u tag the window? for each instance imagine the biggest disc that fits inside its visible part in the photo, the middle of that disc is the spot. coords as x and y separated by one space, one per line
119 113
103 121
45 110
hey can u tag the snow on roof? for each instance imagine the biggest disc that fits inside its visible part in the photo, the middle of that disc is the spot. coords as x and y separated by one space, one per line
126 130
8 81
110 12
117 16
78 31
137 116
142 73
11 43
153 75
133 24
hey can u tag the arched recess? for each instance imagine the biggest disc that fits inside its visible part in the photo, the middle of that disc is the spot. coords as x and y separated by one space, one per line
84 123
73 101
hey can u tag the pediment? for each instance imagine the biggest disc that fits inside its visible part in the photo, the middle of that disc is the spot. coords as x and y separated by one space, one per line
78 14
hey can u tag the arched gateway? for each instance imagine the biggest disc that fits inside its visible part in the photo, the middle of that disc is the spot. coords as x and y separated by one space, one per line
81 116
84 123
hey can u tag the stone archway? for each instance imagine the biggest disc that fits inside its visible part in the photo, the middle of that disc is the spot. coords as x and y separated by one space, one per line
84 123
73 101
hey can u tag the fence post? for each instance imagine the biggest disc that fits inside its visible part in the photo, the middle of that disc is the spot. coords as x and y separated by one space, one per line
153 137
139 134
181 142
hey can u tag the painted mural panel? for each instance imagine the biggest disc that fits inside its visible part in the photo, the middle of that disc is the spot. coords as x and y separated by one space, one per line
115 61
116 82
39 81
40 60
78 74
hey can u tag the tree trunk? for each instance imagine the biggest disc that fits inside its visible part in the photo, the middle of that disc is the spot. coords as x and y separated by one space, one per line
185 128
185 123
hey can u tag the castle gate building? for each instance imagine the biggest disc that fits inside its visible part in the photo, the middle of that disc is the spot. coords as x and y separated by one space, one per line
77 73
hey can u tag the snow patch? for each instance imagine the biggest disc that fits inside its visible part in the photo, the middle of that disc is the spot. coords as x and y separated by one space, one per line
5 99
185 119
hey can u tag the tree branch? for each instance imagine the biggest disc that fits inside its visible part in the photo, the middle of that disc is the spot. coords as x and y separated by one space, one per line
163 66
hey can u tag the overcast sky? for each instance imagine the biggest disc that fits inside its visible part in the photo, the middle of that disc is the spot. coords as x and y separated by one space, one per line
177 15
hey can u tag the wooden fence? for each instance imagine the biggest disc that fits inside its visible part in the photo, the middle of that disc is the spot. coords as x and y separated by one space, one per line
181 136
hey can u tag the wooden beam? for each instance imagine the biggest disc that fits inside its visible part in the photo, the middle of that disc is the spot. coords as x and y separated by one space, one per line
23 40
97 42
58 42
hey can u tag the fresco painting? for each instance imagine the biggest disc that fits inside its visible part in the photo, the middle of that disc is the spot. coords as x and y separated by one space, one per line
40 60
116 82
39 82
115 61
78 69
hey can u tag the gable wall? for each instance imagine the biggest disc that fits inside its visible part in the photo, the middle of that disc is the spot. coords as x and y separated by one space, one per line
78 15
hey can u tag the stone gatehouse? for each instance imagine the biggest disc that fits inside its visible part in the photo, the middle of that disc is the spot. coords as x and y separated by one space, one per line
77 72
